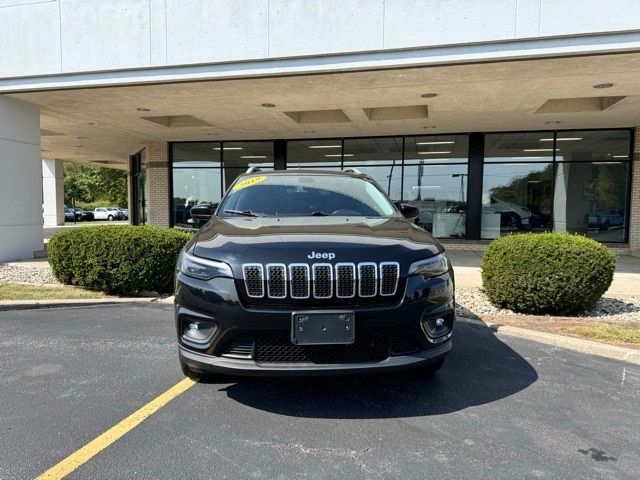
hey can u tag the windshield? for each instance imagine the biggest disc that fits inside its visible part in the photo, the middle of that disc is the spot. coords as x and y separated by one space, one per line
305 195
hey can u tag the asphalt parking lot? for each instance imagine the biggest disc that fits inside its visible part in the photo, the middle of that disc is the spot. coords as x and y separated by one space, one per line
501 407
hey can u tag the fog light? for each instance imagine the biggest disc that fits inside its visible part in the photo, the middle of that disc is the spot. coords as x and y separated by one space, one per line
437 329
197 330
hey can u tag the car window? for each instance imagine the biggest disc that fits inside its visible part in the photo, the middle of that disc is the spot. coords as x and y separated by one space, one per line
304 195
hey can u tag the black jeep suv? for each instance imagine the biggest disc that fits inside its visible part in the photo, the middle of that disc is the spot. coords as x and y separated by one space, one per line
311 272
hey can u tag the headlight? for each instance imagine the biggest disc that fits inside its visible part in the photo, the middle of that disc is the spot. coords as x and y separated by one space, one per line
202 268
431 267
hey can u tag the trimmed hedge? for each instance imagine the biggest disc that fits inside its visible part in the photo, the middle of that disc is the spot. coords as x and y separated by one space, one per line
543 273
117 259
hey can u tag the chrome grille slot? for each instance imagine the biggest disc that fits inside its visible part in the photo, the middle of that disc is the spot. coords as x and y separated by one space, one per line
277 280
299 280
322 280
389 274
253 274
345 280
367 279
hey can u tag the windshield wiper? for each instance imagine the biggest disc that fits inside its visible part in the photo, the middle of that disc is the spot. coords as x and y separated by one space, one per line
246 213
319 214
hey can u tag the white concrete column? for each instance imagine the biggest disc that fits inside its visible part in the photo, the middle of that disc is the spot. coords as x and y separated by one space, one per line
20 180
52 192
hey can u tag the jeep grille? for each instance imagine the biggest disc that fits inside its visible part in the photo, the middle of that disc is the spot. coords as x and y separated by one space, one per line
321 280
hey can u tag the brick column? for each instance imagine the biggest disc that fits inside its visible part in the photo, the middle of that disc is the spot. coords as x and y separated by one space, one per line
157 183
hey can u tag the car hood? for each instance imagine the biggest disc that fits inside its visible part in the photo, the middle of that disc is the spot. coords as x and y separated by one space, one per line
296 240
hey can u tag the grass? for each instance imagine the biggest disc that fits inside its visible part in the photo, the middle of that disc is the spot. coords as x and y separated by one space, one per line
608 331
15 291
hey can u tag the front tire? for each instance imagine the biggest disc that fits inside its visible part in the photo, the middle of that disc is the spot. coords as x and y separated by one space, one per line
110 218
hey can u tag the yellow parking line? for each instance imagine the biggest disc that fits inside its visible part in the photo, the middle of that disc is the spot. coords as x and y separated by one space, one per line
95 446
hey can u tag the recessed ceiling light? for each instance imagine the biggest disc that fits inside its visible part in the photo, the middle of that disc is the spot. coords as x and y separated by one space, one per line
253 156
268 105
339 155
563 139
552 122
603 85
540 150
143 109
606 163
325 146
228 148
429 95
443 142
620 156
434 153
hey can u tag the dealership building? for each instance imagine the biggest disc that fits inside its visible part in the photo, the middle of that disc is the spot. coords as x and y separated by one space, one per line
491 116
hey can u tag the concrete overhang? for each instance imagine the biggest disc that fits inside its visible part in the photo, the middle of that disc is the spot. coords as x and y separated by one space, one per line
108 124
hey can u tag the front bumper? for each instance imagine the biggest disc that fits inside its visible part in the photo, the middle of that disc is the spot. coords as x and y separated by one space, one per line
202 363
217 301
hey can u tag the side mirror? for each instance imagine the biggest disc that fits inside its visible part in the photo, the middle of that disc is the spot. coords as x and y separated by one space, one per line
408 211
203 212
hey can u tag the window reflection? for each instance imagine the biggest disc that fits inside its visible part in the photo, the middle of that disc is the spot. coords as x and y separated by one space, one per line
440 192
516 198
590 198
323 154
196 178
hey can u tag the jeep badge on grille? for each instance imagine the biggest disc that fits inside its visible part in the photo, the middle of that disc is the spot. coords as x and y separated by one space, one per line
318 255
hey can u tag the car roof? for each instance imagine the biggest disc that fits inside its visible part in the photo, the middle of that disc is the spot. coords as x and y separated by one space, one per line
277 173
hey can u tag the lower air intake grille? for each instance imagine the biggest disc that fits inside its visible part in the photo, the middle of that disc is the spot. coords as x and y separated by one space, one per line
367 348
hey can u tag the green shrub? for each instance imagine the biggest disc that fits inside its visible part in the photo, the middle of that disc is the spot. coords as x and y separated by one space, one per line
117 259
546 273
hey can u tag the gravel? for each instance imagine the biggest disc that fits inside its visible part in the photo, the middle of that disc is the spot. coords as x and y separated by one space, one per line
472 302
27 272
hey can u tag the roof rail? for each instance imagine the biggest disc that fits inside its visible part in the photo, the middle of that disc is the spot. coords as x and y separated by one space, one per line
252 169
352 170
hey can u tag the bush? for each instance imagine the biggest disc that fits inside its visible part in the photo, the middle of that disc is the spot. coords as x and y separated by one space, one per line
546 273
117 259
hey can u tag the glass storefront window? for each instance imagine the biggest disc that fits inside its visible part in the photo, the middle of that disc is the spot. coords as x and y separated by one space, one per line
435 149
237 157
518 147
516 197
440 192
591 199
574 181
435 181
314 154
380 158
197 178
593 146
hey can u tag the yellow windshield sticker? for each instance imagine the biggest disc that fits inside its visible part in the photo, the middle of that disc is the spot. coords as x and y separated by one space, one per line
249 182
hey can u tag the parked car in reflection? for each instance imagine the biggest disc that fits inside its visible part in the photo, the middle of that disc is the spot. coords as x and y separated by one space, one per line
107 213
83 215
604 220
125 213
69 215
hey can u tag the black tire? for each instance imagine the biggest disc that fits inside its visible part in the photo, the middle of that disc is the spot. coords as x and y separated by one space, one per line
110 218
190 373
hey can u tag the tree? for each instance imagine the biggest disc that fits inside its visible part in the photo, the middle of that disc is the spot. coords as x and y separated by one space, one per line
86 183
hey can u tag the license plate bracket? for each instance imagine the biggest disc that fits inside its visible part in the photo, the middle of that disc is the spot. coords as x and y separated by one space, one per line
329 327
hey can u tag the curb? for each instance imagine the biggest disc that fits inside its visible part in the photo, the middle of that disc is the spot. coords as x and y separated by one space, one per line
9 305
590 347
